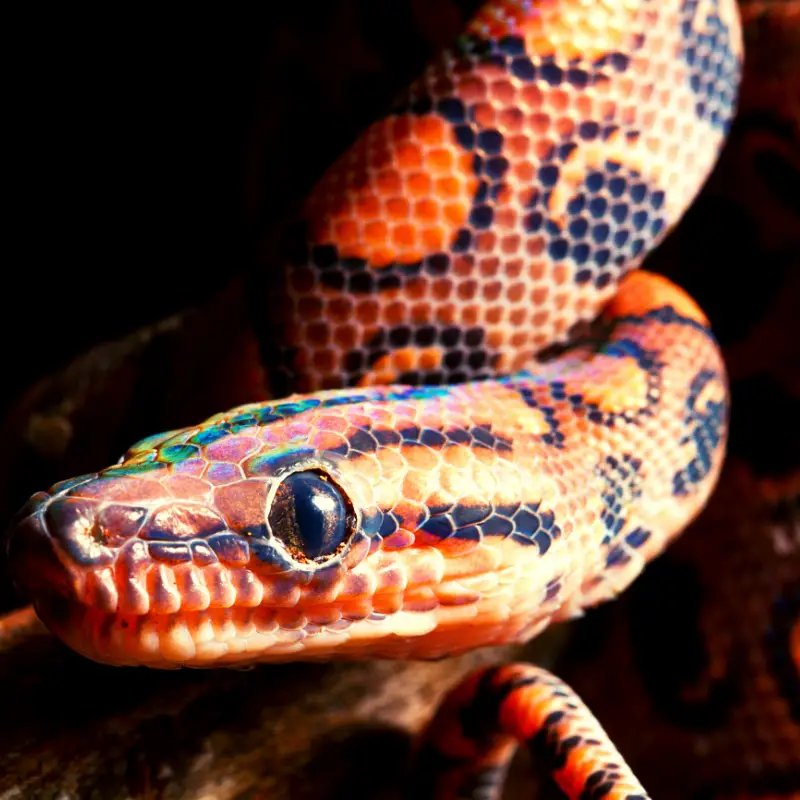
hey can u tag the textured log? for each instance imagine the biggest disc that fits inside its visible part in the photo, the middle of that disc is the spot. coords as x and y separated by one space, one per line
75 729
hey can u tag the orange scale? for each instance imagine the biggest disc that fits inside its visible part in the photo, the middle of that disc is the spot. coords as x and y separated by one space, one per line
186 487
504 92
398 208
472 89
332 422
396 127
441 160
495 20
448 187
408 156
484 114
242 504
426 209
418 184
433 240
326 440
404 237
389 182
455 214
429 129
368 206
376 232
134 489
454 546
421 313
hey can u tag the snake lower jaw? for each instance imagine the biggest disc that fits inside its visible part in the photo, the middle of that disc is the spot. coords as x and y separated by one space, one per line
237 637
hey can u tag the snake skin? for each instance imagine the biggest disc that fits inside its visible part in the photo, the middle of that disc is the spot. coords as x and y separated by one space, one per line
496 209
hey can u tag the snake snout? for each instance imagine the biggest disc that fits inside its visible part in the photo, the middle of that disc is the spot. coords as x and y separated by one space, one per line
33 560
62 545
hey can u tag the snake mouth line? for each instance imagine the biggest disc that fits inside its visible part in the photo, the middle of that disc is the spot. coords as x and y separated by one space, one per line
211 637
239 636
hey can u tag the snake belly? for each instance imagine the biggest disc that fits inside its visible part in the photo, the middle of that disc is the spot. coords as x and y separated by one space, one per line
434 487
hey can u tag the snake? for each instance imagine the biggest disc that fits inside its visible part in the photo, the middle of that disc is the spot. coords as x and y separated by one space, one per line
491 419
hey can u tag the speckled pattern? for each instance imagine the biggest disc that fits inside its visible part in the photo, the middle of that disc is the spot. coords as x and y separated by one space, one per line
484 492
499 203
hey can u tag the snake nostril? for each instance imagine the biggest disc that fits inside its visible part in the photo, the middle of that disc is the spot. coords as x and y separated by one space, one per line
312 516
73 525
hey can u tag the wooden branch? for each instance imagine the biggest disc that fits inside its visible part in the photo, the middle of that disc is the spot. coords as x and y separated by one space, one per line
70 728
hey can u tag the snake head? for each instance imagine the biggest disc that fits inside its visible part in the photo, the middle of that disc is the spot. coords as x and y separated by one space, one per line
323 526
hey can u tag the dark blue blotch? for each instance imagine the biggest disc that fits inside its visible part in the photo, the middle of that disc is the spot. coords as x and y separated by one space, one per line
637 537
532 526
512 45
465 514
463 241
617 556
526 522
558 249
713 68
465 136
389 524
629 348
410 433
554 436
705 428
452 109
580 253
551 72
440 525
621 486
362 441
481 217
548 175
432 438
552 590
495 168
491 142
387 437
533 222
497 526
482 436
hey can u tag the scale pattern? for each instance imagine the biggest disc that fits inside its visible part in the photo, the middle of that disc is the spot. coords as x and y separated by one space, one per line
502 199
435 486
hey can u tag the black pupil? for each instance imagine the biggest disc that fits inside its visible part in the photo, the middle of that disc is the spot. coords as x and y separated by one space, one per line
310 515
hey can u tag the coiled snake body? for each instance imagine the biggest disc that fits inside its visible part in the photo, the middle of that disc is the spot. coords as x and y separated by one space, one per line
437 486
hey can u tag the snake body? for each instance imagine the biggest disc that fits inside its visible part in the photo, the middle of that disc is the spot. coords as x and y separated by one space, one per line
435 486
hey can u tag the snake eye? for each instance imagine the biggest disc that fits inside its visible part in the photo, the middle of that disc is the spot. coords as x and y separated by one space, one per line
311 515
